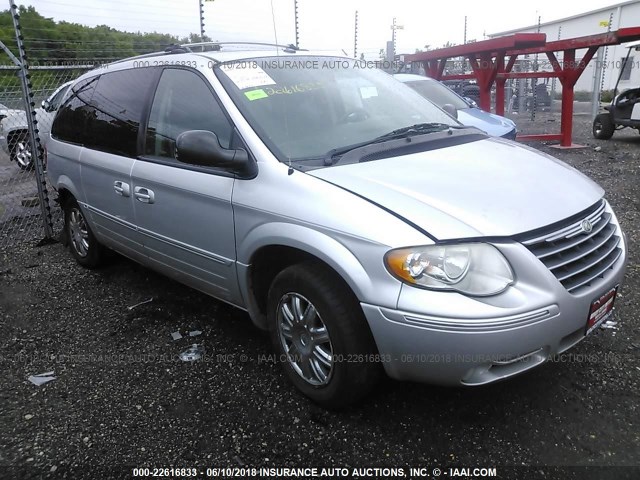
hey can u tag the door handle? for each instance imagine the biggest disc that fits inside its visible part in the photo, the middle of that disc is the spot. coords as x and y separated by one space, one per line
144 195
122 188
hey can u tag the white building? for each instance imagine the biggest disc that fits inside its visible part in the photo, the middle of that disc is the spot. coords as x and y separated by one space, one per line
602 20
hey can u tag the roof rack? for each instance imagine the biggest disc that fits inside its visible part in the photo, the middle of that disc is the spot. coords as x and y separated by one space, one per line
173 48
213 46
217 46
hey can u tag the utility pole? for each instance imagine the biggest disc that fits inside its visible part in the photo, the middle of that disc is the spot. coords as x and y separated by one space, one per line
201 5
394 27
553 80
600 73
295 13
465 30
534 81
355 38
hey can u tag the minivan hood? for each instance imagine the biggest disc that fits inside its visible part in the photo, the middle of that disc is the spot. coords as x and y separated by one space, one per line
491 187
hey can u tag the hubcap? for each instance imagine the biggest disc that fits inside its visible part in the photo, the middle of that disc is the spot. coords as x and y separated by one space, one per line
78 232
23 154
598 127
305 339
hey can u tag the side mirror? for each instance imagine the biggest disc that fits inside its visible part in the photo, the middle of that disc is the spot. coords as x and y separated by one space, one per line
450 109
46 106
201 147
472 103
4 113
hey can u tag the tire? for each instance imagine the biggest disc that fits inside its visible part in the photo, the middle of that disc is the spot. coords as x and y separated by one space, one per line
603 126
330 356
20 150
82 243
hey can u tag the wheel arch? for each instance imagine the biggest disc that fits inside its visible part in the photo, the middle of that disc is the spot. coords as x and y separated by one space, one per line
269 249
17 131
66 189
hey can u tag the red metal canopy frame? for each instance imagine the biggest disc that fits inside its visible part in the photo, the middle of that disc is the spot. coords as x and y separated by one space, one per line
488 60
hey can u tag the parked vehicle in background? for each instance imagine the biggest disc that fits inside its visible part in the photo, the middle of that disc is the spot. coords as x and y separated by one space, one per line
356 221
467 89
9 116
622 112
461 108
14 133
541 99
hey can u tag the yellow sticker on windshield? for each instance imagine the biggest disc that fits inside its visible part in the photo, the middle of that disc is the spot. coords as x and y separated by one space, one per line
256 94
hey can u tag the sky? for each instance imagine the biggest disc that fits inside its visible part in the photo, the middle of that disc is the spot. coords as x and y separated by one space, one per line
323 24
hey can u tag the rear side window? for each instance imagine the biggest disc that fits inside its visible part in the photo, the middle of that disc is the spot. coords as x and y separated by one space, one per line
70 123
118 103
182 102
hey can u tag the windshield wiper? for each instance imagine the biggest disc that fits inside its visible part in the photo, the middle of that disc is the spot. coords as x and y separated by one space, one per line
333 156
418 129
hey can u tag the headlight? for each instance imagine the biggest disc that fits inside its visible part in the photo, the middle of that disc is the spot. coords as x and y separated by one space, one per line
472 268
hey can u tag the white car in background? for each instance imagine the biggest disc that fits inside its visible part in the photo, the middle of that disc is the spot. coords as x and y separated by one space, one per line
14 132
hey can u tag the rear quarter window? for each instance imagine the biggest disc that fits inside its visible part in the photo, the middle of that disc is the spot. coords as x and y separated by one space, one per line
69 124
117 106
104 112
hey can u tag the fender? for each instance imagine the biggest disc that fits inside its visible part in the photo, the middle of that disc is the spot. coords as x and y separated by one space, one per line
65 183
316 243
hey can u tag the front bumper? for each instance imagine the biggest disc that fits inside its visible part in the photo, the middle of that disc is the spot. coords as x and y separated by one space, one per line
475 341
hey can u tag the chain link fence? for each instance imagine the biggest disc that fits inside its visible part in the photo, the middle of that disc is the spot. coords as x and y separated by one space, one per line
535 105
29 97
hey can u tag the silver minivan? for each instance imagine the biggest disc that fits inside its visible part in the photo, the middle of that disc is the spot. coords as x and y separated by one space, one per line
362 226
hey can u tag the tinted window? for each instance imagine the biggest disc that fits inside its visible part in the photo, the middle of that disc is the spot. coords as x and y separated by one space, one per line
182 102
70 123
118 103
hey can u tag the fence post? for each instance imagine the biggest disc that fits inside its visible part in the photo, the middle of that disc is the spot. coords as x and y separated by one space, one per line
34 139
597 77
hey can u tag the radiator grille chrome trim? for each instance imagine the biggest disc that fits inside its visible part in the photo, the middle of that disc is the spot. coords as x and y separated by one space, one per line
578 258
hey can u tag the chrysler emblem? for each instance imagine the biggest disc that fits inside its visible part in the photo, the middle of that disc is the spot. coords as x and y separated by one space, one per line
586 226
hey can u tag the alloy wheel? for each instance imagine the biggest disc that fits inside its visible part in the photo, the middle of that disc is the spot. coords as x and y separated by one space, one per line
78 232
305 339
23 154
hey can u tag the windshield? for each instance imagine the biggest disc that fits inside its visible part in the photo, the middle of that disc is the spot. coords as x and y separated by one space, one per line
304 107
438 93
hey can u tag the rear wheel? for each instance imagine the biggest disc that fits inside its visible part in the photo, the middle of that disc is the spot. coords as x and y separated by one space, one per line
603 126
83 244
319 331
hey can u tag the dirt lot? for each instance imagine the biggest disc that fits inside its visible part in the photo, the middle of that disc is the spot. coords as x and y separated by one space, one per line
122 398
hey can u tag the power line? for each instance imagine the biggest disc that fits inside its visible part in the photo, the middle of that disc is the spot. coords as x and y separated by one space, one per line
127 3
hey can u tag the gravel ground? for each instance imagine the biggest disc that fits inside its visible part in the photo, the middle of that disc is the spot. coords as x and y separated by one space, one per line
122 398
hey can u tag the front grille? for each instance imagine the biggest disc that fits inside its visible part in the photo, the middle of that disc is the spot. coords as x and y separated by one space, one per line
579 259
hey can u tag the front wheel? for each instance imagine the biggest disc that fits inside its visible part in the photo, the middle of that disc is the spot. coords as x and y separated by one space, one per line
21 151
321 335
83 244
603 126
